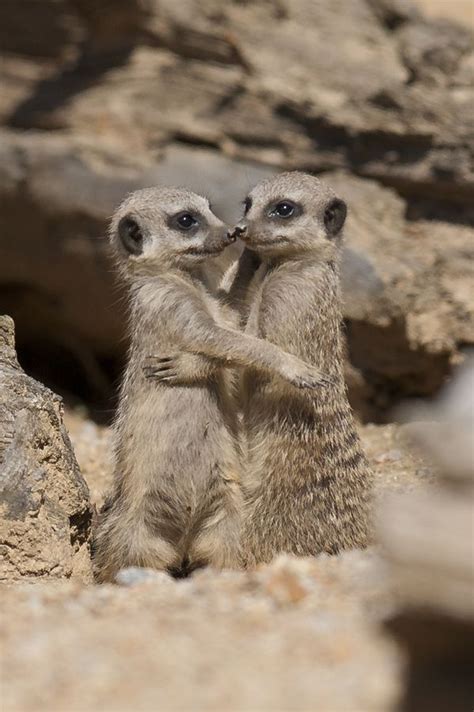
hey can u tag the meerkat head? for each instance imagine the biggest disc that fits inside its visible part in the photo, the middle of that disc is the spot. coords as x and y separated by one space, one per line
165 227
292 213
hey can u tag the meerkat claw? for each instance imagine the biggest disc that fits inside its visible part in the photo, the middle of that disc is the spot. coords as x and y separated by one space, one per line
325 381
314 383
159 359
149 374
161 375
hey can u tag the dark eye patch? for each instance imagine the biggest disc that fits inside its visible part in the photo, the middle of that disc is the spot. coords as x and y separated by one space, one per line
247 205
130 235
335 216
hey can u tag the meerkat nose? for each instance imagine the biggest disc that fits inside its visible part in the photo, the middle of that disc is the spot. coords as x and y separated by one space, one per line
231 236
240 230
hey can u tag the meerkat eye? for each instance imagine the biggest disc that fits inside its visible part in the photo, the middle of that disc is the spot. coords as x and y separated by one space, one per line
335 216
184 221
247 205
130 235
284 209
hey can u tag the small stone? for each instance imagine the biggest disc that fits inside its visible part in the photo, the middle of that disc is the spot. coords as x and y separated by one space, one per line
287 580
135 575
390 456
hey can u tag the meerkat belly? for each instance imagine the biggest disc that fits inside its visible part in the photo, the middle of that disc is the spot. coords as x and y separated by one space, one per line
306 485
306 480
179 460
275 415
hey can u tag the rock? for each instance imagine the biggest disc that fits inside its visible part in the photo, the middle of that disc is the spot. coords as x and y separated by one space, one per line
393 13
461 11
45 29
433 48
303 633
447 436
397 466
390 456
201 93
279 97
288 581
408 305
427 538
45 514
134 576
191 644
57 197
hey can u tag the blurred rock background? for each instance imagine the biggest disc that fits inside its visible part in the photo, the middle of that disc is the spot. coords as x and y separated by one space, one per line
373 95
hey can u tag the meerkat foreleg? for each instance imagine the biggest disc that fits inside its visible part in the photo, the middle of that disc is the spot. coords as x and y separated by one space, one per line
184 368
231 348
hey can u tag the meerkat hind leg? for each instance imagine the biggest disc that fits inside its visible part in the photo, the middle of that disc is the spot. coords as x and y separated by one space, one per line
218 542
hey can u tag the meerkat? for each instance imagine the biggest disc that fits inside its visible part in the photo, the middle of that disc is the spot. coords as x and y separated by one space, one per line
305 477
176 501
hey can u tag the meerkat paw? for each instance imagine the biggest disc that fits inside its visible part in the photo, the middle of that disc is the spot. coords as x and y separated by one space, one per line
164 369
302 375
181 368
315 379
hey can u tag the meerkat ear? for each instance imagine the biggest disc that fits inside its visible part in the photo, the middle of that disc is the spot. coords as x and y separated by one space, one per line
130 235
335 216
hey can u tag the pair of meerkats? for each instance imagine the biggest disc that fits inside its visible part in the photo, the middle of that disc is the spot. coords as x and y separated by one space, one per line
234 438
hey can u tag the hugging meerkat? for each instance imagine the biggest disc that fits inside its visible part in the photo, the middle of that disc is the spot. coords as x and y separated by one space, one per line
176 501
305 478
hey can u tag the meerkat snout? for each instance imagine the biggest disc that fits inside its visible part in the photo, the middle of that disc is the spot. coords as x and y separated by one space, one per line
239 231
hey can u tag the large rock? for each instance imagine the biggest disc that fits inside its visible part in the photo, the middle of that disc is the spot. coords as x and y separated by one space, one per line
391 103
57 194
408 306
427 538
38 29
202 93
45 514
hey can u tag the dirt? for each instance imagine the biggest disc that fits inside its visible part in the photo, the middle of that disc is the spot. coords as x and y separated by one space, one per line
300 634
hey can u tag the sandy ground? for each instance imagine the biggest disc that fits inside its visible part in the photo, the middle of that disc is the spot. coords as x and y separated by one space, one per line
300 634
396 466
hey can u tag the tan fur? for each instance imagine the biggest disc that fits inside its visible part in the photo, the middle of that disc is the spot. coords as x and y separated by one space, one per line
176 502
306 480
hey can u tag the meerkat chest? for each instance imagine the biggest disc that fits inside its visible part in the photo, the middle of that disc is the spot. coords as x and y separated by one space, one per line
254 301
221 312
286 309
